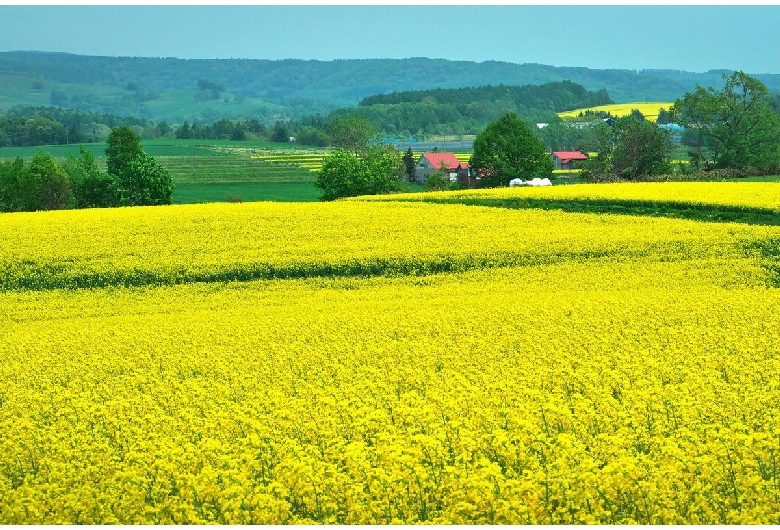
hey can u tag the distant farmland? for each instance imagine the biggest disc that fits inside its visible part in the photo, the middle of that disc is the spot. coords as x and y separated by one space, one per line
649 110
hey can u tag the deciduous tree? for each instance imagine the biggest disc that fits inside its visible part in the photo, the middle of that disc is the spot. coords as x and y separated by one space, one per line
280 132
10 177
124 145
640 148
734 127
145 183
509 149
630 149
351 133
346 174
44 185
92 188
138 178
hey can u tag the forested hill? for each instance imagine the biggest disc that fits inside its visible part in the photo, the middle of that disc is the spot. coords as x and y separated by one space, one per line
469 110
169 88
564 95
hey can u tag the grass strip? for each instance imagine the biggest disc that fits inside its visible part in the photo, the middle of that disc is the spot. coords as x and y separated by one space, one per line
714 213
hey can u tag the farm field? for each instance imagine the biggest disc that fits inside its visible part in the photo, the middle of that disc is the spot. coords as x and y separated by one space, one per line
215 171
218 171
648 109
756 200
370 362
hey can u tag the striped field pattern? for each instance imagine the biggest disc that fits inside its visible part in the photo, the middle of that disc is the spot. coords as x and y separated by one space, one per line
376 362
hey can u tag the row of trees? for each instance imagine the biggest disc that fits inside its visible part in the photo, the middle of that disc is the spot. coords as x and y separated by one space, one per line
560 95
133 178
736 127
469 110
30 126
38 126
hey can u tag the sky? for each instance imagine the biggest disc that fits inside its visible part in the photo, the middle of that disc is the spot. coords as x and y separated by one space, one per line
695 38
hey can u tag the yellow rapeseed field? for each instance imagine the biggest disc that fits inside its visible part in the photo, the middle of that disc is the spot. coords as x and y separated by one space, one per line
369 363
753 195
648 109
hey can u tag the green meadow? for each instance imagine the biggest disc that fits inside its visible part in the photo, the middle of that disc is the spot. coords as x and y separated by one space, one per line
214 171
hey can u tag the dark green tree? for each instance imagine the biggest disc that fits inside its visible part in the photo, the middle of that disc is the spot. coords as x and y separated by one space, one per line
509 149
222 129
735 127
311 136
164 129
663 117
409 163
124 145
210 84
92 188
631 149
144 183
280 132
239 132
44 185
10 178
256 127
640 148
138 178
346 174
183 131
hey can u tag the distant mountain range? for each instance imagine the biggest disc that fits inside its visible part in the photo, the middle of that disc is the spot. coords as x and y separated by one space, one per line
208 89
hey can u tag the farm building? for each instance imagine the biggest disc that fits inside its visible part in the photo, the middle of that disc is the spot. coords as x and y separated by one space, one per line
566 159
464 177
430 162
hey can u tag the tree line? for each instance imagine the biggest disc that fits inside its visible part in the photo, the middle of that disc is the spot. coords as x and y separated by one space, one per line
405 114
557 96
133 178
30 126
469 110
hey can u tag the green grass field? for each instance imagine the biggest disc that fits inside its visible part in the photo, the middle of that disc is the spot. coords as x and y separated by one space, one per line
197 162
158 147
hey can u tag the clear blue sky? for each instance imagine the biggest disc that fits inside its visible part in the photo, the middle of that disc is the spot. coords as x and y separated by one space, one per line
693 38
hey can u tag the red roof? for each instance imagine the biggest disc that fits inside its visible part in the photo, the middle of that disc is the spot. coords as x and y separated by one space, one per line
565 156
436 160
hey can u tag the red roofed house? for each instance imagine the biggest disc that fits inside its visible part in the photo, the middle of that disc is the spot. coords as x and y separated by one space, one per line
564 159
430 162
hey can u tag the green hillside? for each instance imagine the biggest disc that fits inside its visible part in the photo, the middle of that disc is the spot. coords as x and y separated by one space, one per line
166 88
